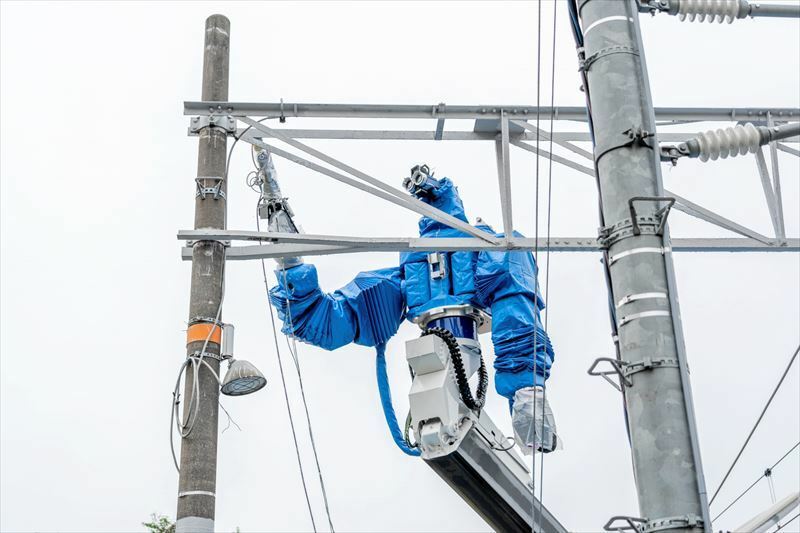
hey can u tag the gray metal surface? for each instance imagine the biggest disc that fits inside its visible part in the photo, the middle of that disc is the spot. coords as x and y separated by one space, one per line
198 462
666 461
373 186
504 177
493 487
286 245
419 135
518 112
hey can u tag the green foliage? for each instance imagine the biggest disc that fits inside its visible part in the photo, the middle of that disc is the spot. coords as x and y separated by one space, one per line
159 524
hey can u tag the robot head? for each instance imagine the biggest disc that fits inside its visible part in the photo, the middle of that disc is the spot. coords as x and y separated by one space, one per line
421 182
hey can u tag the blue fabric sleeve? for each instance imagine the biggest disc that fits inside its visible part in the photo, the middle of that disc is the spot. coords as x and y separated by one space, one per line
506 283
367 311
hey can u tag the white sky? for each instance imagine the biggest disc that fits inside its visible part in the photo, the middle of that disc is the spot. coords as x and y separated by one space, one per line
97 175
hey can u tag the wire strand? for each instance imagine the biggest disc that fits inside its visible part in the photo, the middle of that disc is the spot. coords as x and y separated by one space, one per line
760 417
753 484
293 351
547 244
283 383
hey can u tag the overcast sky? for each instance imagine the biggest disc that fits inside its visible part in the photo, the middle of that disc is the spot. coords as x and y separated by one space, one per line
97 176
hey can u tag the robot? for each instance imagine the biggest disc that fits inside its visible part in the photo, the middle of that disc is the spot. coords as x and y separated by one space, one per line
452 296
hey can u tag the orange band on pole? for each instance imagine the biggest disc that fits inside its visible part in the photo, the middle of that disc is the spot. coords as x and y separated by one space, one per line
200 332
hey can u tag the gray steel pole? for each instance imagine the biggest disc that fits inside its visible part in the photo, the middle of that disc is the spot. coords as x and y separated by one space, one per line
197 485
666 457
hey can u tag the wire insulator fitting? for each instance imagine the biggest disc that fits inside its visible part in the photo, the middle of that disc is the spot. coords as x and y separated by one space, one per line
730 142
711 10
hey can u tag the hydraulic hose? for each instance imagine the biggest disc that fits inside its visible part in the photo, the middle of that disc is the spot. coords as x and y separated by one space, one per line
386 402
462 380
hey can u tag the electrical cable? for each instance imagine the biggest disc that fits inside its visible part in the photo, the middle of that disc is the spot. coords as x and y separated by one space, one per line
193 407
792 519
476 402
753 484
294 354
612 315
547 252
305 404
283 382
536 236
761 416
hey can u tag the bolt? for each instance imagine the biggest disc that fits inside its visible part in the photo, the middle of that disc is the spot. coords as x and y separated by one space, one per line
196 119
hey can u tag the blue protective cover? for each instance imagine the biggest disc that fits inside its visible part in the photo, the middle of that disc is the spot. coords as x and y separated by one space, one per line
367 311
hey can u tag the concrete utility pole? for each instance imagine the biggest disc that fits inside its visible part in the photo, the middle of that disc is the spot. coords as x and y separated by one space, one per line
666 457
198 476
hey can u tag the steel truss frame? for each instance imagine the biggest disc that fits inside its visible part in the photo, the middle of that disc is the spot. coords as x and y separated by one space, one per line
506 126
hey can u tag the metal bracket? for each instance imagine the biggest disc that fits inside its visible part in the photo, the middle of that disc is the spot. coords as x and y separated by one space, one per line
673 522
215 192
618 368
437 136
205 320
623 229
208 354
661 214
618 49
437 265
628 525
636 135
649 364
227 122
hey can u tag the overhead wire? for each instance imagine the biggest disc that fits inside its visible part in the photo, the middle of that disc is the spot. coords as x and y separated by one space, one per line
612 314
536 243
547 244
755 426
754 483
283 382
792 519
294 353
292 347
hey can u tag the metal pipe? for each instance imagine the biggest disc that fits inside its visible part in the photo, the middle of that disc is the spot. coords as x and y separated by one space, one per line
774 10
514 112
198 474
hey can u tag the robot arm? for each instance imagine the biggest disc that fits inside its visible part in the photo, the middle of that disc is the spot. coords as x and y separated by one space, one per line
506 284
367 311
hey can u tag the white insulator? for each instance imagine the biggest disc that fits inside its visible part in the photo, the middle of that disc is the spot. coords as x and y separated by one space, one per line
713 10
738 140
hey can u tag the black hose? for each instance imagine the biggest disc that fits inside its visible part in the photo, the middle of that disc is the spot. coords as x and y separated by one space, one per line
462 380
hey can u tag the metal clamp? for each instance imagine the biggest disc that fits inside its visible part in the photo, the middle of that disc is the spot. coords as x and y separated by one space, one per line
196 493
644 314
227 123
198 355
649 364
618 49
633 251
215 192
609 235
618 368
628 525
205 320
673 522
641 296
661 214
634 136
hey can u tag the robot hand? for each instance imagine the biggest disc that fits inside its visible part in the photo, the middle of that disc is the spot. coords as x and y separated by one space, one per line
533 421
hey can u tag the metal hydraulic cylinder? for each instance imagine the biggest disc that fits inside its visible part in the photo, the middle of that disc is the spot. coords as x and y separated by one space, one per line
666 457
